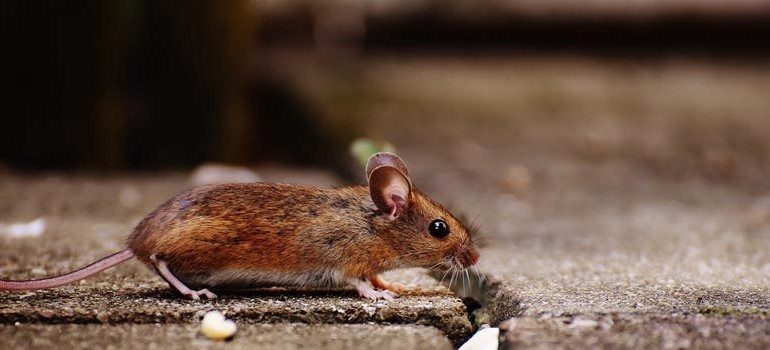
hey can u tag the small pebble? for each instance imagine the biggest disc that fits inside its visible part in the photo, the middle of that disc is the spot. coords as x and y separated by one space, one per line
24 229
215 326
487 338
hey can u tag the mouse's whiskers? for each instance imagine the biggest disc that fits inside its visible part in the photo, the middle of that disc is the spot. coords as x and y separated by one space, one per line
481 278
447 272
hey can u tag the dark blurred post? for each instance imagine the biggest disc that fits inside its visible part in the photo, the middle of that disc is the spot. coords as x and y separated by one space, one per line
239 49
115 27
117 84
192 69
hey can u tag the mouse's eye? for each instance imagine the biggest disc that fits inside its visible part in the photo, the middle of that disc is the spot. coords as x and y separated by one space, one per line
438 228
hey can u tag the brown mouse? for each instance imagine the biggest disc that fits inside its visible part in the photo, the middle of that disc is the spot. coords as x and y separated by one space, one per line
254 234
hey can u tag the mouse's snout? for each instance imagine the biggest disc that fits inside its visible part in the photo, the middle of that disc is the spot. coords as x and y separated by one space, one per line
467 256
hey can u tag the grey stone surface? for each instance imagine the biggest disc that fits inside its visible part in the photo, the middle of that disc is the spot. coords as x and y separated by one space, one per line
111 304
249 336
640 331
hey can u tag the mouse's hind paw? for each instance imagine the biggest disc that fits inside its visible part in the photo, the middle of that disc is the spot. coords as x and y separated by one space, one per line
197 294
162 268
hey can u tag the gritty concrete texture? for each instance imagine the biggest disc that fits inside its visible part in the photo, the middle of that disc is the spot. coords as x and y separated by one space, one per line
113 304
670 272
249 336
641 331
639 255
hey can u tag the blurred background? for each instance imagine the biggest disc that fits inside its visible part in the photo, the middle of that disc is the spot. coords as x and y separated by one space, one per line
535 108
675 87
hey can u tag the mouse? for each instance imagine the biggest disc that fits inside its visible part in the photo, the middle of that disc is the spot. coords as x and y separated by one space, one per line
269 234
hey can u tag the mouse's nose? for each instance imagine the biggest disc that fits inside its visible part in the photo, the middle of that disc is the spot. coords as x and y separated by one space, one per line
468 256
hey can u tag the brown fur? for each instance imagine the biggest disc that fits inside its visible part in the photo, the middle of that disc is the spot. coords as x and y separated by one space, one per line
277 227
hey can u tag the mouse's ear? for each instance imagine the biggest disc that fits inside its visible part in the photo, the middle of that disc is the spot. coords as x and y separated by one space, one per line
389 183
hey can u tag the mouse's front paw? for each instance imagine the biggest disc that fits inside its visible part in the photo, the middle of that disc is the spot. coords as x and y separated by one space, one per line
367 291
380 283
378 294
397 287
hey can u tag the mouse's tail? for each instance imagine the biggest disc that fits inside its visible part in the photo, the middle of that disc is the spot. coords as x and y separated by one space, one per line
71 277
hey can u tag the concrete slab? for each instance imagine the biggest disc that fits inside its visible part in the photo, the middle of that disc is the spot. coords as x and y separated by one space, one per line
107 303
639 331
249 336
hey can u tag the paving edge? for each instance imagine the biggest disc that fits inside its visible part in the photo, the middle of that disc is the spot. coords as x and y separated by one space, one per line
91 306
